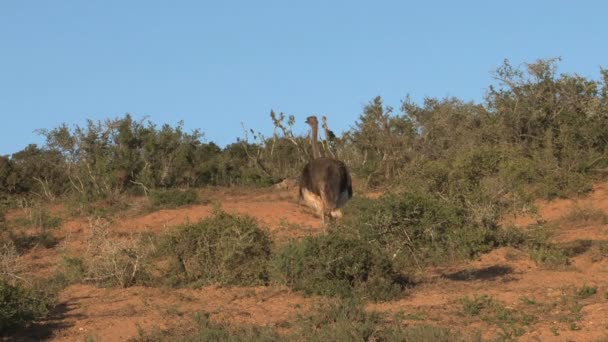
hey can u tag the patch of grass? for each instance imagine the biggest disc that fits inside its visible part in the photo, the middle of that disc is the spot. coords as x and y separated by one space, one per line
550 256
585 215
576 247
415 317
473 306
41 218
602 247
344 320
568 307
510 236
429 333
587 291
510 322
347 320
503 314
410 316
92 338
38 218
576 310
527 301
336 265
173 198
21 222
528 319
173 310
78 205
225 249
203 330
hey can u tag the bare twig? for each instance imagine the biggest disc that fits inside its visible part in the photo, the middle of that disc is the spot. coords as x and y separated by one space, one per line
45 187
145 188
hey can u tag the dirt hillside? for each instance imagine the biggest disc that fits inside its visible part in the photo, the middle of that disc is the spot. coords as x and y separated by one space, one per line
546 304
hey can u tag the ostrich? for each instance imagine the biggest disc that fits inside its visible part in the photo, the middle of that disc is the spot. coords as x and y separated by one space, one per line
325 183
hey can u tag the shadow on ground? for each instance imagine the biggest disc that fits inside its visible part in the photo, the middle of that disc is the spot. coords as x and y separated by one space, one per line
46 329
485 273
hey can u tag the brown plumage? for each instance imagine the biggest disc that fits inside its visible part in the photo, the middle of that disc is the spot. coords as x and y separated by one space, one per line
325 183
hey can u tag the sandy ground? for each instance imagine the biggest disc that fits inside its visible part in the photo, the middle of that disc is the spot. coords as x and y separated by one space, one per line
508 275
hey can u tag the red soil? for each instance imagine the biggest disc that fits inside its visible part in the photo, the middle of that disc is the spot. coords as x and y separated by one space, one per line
506 274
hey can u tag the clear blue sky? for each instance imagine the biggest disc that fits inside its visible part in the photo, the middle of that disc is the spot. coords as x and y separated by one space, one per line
215 64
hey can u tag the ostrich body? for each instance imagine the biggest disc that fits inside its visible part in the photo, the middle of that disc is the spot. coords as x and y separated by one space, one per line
325 183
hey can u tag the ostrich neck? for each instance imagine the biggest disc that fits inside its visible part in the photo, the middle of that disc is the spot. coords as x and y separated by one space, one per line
315 147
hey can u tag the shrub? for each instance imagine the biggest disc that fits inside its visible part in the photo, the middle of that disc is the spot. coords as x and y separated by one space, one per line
418 229
173 198
225 249
336 265
9 259
74 269
430 333
18 306
111 261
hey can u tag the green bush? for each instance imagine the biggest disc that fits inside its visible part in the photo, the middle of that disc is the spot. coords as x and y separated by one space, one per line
538 133
417 228
74 269
335 265
410 216
19 306
173 198
225 249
